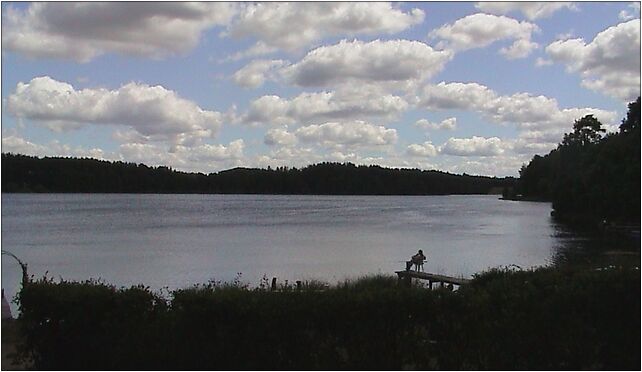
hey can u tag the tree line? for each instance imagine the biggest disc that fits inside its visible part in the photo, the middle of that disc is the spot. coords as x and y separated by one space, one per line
590 176
21 173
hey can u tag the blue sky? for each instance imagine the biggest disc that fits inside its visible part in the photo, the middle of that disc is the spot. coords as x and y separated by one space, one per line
456 86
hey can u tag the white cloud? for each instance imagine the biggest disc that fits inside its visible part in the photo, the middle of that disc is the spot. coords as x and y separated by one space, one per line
258 49
356 133
500 166
256 72
530 9
480 30
427 149
154 112
532 114
321 106
202 158
18 145
333 135
540 62
446 124
13 143
627 14
287 156
474 146
349 62
526 147
211 153
444 96
609 64
520 49
292 26
81 31
279 137
523 109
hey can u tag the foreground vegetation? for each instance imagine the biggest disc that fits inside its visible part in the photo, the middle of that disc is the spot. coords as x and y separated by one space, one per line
542 319
591 177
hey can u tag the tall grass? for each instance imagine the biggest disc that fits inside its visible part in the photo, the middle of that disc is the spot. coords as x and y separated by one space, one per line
540 319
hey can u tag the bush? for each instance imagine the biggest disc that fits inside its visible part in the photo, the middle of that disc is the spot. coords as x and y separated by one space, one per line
542 319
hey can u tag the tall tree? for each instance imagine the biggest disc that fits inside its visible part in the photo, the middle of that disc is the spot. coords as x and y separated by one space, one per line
632 120
586 131
591 177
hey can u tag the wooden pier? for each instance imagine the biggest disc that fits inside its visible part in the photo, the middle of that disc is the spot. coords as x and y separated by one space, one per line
406 276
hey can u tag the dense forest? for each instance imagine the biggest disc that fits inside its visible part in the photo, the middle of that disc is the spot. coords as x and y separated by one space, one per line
590 176
22 173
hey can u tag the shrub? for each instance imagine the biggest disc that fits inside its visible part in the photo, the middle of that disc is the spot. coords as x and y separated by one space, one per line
503 319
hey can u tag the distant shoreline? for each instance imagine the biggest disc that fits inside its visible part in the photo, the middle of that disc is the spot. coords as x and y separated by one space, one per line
230 193
525 198
22 173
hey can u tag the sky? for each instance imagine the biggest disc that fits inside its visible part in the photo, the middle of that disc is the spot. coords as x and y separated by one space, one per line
462 87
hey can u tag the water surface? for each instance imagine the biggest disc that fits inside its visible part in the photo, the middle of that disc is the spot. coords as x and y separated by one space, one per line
178 240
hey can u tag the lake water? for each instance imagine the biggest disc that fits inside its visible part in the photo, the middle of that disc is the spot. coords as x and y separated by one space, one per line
177 240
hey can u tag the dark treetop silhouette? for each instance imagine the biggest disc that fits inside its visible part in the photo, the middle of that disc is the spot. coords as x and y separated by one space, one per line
22 173
590 176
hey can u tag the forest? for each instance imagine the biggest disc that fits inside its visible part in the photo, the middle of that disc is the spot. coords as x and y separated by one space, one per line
590 177
21 173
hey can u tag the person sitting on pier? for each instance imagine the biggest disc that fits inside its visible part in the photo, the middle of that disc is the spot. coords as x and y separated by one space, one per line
417 260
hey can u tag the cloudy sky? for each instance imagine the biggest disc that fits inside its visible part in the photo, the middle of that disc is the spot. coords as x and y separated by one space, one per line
461 87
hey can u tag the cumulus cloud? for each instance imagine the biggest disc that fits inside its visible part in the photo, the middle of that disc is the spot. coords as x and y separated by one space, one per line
536 142
212 152
292 26
256 72
519 49
444 96
427 149
480 30
258 49
290 156
523 109
321 106
200 158
279 137
348 134
14 143
609 64
357 133
446 124
153 112
540 62
540 120
474 146
393 61
81 31
500 166
532 10
628 14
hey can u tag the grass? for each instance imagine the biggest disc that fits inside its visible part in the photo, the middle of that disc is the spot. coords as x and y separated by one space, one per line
550 318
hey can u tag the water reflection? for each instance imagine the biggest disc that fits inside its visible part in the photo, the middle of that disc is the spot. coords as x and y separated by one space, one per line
593 250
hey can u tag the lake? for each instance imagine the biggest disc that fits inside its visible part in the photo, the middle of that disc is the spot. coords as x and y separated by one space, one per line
178 240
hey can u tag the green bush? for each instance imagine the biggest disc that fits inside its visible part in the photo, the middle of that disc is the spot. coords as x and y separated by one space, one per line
542 319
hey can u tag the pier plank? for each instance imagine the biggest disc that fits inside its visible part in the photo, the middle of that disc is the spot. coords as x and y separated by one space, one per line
432 278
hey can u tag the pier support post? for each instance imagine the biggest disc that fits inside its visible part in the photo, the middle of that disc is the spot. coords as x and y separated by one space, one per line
404 280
